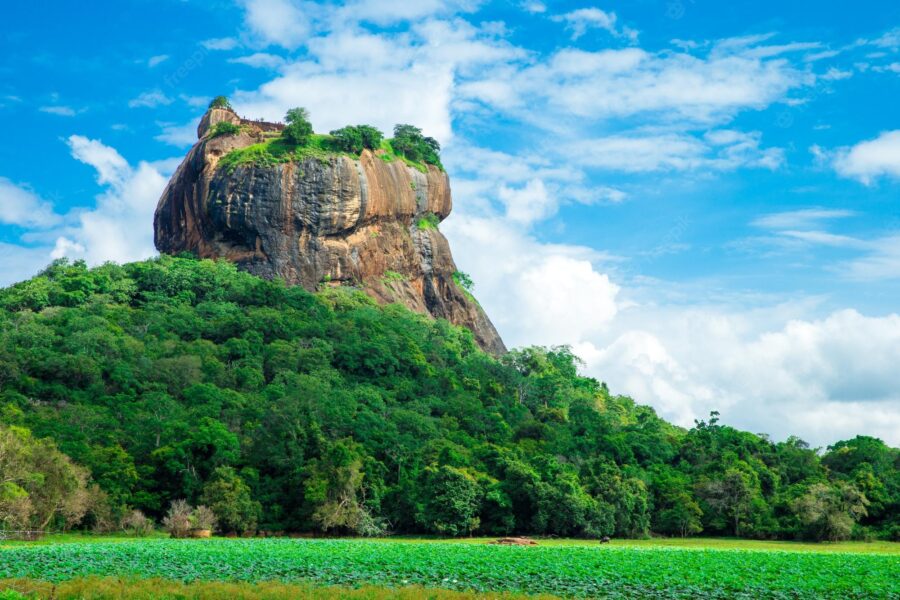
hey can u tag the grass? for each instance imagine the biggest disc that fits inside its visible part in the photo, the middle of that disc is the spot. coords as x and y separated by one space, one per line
108 588
390 276
275 151
388 154
692 568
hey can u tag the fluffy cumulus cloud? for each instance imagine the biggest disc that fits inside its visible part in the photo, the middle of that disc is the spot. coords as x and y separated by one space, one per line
825 379
120 226
352 75
21 206
280 22
535 293
871 159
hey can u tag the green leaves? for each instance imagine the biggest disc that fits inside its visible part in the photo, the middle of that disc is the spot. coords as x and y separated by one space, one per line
570 571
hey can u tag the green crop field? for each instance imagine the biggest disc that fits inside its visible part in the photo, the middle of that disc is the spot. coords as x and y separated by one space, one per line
581 570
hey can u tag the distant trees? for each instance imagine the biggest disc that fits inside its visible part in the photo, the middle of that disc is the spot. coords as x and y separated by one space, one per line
298 130
229 498
829 512
451 501
336 491
176 378
39 485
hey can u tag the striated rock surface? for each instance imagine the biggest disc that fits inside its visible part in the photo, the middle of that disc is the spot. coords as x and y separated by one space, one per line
320 222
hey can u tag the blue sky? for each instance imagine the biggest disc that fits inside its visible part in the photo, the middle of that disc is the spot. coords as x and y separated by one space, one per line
700 197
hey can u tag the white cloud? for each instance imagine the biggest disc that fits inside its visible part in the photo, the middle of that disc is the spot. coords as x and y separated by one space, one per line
890 39
672 87
60 111
21 206
220 43
280 22
179 135
720 150
882 262
259 60
871 159
66 247
581 20
21 262
534 7
386 12
111 167
157 60
150 99
800 219
120 226
824 379
535 293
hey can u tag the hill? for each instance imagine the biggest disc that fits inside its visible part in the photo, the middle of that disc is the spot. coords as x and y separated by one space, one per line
286 410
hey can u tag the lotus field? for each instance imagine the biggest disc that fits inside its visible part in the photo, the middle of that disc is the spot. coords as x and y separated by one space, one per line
608 571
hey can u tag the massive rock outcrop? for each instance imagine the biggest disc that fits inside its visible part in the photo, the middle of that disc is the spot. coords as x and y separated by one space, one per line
320 221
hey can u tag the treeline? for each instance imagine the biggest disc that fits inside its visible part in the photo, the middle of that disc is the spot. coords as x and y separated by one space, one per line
178 379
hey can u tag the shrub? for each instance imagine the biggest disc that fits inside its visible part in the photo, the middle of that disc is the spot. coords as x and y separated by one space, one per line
429 221
298 129
220 102
178 520
464 281
225 128
356 138
137 524
203 517
390 276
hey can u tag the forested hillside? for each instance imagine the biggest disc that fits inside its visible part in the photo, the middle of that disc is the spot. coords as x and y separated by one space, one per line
284 410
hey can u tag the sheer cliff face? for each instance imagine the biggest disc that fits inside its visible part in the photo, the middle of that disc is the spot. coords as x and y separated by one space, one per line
320 222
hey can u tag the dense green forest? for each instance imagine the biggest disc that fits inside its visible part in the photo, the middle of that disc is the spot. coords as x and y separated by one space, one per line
129 387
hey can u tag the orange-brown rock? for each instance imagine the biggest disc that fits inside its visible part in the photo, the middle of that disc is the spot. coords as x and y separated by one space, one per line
335 220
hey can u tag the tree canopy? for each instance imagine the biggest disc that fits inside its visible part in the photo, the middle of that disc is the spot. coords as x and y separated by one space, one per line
181 379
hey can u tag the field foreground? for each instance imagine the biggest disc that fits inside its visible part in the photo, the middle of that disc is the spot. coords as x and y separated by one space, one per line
562 569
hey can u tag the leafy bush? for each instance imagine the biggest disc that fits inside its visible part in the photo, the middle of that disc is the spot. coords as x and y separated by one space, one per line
203 517
299 129
224 128
429 221
137 524
220 102
178 520
393 276
356 138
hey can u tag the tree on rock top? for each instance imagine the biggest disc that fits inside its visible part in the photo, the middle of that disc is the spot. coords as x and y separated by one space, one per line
221 102
298 129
